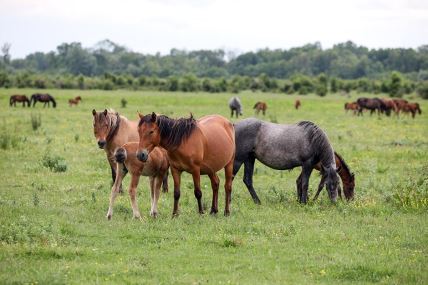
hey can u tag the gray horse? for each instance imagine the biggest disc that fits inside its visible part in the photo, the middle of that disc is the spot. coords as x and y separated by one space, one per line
235 105
285 147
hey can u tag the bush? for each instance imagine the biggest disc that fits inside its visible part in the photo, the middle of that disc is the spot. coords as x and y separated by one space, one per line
123 102
54 163
423 90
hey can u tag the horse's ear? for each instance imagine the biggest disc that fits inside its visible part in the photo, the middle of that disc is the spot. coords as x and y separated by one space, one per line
94 112
153 117
191 115
140 115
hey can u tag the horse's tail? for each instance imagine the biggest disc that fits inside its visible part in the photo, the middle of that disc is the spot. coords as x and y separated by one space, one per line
255 106
53 101
418 108
11 101
120 155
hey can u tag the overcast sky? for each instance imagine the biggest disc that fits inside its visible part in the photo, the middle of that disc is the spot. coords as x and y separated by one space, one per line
150 26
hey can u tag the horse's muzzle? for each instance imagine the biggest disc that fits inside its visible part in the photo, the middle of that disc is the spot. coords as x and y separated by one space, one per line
143 155
102 143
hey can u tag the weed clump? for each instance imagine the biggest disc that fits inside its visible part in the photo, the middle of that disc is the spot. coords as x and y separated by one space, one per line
36 121
54 163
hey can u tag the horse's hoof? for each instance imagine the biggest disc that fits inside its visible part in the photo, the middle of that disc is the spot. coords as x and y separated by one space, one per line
174 215
154 214
226 213
109 217
213 212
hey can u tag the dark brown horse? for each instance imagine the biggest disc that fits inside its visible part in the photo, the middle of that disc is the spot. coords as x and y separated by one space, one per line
297 104
400 103
351 106
19 98
74 101
371 104
198 147
390 106
347 177
260 106
412 108
44 98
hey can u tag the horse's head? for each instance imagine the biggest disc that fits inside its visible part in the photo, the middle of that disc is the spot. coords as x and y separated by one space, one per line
332 181
149 133
348 187
101 127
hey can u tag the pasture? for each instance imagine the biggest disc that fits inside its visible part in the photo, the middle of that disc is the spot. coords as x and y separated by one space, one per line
54 231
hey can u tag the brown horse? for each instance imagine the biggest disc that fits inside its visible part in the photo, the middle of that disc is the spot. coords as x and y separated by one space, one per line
297 104
400 103
390 106
44 98
198 147
19 98
260 106
412 108
347 177
74 101
156 168
351 106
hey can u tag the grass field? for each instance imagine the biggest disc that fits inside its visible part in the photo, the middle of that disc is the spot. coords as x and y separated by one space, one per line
54 231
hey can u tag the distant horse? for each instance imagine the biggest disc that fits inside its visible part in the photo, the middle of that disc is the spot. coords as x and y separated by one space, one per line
19 98
235 106
297 104
412 108
45 98
74 101
390 106
201 147
400 103
111 131
351 106
347 177
285 147
156 167
371 104
260 106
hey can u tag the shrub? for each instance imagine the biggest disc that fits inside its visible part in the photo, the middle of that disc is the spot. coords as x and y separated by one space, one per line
36 121
54 163
423 90
123 102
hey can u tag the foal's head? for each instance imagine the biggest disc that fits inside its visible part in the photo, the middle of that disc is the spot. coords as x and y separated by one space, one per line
102 124
332 182
149 133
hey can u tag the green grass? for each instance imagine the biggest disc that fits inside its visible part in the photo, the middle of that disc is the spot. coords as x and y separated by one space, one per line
53 228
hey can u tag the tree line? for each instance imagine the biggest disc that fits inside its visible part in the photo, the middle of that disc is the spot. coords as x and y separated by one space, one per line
307 69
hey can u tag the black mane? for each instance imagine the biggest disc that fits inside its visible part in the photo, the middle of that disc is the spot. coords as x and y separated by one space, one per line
319 139
173 132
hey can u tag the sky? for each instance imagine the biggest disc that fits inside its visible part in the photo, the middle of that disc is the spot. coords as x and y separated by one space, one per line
150 26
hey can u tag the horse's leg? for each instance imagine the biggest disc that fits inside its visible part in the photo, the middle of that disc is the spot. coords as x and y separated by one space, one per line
176 175
113 166
248 178
339 191
299 186
264 112
231 113
228 172
320 187
306 173
215 182
114 191
152 192
132 194
165 182
156 185
196 174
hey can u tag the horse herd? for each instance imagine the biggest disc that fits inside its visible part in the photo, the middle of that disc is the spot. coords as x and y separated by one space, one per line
236 106
383 106
155 143
44 98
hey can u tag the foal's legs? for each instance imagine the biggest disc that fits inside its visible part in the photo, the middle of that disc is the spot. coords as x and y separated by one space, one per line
320 187
228 171
156 185
114 191
215 182
196 174
176 175
132 194
248 178
165 182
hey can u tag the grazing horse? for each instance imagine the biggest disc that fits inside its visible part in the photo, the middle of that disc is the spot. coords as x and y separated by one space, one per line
351 106
19 98
235 106
345 174
413 108
198 147
111 131
156 168
45 98
371 104
285 147
390 106
297 104
260 106
74 101
400 103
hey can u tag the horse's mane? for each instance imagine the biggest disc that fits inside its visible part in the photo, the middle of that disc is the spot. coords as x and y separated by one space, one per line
343 163
319 139
172 131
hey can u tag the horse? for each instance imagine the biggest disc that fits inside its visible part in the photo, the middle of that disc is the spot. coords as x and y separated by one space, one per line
260 106
199 147
19 98
390 106
45 98
371 104
351 106
284 147
297 104
74 101
235 106
413 108
345 174
111 131
156 167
